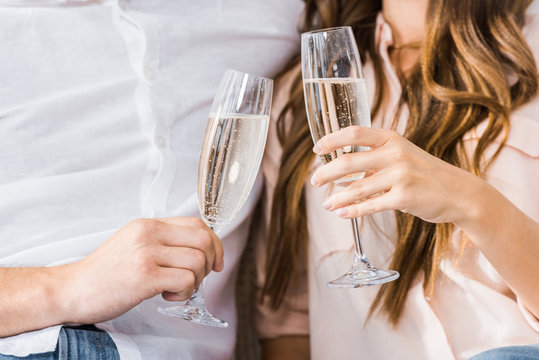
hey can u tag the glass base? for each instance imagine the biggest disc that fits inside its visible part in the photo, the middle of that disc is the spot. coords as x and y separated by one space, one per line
363 277
193 314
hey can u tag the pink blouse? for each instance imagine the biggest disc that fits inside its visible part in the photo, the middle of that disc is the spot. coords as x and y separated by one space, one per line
472 309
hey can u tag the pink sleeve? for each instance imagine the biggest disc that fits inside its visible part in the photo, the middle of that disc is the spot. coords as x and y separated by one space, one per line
515 172
292 317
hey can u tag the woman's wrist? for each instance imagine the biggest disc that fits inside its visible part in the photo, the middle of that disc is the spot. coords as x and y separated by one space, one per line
485 213
506 236
476 205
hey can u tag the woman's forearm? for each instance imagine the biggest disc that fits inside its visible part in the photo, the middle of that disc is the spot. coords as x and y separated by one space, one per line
508 238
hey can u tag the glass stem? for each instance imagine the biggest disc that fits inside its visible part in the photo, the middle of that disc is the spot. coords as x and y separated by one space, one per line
197 299
359 254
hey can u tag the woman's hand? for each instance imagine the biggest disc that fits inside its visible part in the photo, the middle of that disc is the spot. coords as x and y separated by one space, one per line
401 177
404 177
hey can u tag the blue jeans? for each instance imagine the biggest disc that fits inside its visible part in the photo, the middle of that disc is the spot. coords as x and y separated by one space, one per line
79 343
528 352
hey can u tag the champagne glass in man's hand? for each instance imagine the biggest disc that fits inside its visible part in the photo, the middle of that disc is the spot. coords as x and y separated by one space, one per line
231 153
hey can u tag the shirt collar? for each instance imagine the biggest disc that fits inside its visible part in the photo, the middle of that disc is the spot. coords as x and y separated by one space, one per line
383 40
383 33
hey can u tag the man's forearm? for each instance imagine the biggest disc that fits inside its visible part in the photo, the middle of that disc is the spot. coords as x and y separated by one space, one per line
29 299
144 258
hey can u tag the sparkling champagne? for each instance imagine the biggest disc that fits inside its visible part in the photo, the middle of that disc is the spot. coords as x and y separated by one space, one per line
232 152
336 97
333 104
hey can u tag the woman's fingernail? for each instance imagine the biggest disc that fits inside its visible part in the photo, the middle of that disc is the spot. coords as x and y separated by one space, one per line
342 212
328 204
314 180
317 147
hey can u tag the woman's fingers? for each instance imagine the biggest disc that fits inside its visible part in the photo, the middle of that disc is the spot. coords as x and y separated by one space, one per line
382 202
359 190
348 164
387 149
352 135
405 178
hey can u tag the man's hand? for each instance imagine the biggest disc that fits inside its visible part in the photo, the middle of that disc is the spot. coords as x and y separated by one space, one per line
145 258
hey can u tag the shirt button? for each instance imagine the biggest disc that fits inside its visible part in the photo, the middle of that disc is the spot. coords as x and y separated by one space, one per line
149 213
150 74
160 141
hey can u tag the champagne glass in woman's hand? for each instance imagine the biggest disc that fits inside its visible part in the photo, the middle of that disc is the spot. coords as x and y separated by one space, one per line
231 153
336 97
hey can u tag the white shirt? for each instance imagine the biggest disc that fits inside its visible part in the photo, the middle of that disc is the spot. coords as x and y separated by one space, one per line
103 105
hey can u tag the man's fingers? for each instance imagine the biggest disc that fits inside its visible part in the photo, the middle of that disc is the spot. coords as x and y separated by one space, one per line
169 296
185 258
193 233
177 281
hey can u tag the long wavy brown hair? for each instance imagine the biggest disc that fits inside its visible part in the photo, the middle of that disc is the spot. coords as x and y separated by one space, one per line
474 66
